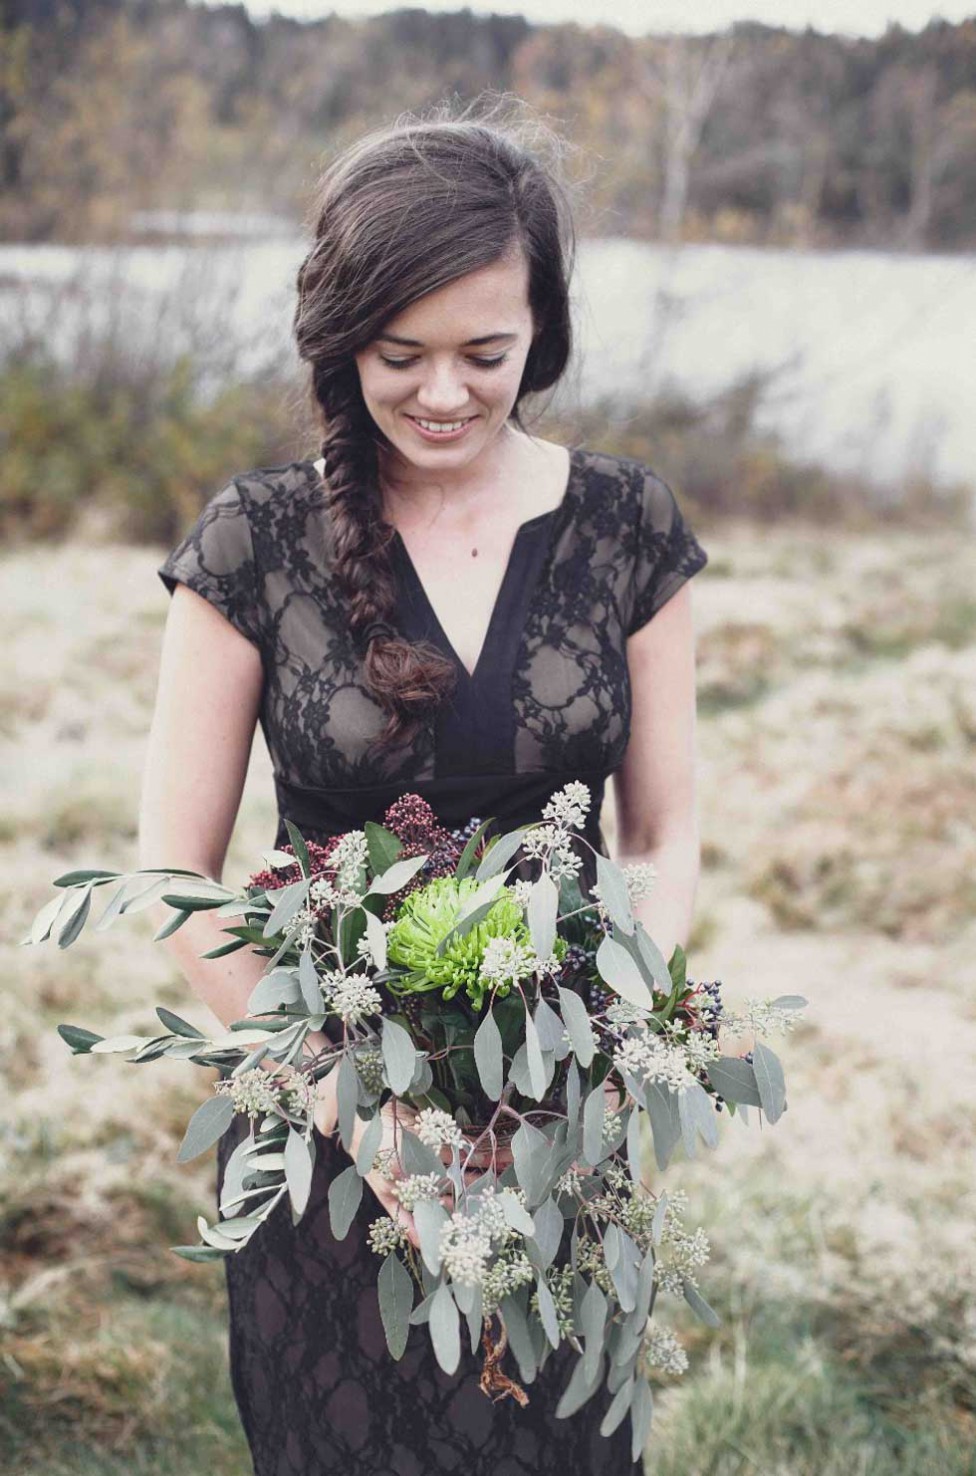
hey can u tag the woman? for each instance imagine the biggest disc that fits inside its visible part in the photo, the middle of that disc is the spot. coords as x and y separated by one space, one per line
442 604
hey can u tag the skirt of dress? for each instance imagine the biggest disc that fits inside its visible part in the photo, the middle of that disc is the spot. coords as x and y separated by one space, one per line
318 1391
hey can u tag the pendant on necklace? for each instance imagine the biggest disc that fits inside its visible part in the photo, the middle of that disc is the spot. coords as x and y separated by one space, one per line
474 553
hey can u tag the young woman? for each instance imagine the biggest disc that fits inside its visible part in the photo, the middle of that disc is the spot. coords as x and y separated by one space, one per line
439 603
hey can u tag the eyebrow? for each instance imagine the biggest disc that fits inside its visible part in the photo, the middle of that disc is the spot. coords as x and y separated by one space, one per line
415 342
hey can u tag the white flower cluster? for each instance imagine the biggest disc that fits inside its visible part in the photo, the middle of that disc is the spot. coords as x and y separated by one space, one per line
252 1092
504 1276
640 877
351 996
568 806
522 888
467 1238
415 1187
348 858
687 1252
386 1234
436 1127
646 1057
760 1016
611 1126
570 1183
663 1351
505 961
555 846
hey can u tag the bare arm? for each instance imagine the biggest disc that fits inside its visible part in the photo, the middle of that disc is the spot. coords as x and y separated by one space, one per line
654 787
207 702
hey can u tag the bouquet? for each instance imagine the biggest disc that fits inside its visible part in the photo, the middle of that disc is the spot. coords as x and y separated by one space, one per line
503 1011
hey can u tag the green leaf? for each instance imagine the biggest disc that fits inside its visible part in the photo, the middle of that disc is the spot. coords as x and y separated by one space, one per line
394 1287
542 910
594 1116
210 1121
396 876
445 1331
80 878
580 1388
466 858
619 1405
789 1002
369 1145
308 982
665 1122
515 1213
498 857
382 847
641 1413
578 1026
547 1310
177 1025
198 1252
769 1079
734 1079
399 1055
299 1162
174 924
653 958
376 933
618 969
699 1306
74 920
279 987
488 1057
533 1051
430 1217
613 891
549 1226
593 1315
78 1039
299 847
519 1339
287 901
345 1197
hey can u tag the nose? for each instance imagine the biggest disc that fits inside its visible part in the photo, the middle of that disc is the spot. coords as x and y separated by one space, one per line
443 392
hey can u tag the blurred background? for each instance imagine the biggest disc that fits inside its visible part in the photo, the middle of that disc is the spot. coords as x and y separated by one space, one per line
775 298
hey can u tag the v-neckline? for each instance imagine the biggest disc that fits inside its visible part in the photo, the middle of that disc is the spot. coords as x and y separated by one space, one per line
495 619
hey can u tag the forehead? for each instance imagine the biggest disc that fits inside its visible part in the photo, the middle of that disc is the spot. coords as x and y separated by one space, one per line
492 300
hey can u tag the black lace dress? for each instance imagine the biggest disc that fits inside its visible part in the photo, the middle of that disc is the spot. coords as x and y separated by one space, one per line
549 701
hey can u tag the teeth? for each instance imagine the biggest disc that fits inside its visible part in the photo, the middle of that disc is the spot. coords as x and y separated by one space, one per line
440 425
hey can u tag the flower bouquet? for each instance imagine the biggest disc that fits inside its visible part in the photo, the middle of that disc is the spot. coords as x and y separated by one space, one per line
527 1032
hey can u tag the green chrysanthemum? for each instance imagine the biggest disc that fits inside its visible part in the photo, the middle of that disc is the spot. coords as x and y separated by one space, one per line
427 916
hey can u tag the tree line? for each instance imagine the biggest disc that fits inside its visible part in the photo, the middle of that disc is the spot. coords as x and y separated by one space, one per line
755 135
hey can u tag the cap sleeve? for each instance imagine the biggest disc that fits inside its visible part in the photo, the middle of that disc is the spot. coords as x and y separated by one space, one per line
668 553
216 560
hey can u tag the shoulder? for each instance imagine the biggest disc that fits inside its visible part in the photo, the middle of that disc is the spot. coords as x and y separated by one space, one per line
263 485
631 485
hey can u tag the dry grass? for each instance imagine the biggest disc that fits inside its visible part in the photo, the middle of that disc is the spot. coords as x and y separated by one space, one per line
837 734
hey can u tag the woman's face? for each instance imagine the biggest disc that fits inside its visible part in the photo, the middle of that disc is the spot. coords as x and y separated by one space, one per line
442 374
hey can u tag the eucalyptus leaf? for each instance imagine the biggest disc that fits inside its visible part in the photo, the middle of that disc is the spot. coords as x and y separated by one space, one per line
210 1121
394 1287
299 1161
699 1306
499 855
617 968
641 1414
549 1226
396 875
769 1079
347 1097
73 920
287 901
369 1145
593 1315
345 1197
308 981
519 1341
580 1387
177 1024
445 1331
547 1311
734 1079
430 1217
653 958
594 1109
533 1053
614 893
578 1025
488 1056
619 1405
399 1055
542 909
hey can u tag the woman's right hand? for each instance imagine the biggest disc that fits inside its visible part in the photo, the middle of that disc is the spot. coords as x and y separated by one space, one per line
394 1116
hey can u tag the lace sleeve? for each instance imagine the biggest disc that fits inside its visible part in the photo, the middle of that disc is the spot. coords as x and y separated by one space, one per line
668 553
216 560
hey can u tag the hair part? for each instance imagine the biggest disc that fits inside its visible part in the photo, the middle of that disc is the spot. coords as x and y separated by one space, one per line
404 210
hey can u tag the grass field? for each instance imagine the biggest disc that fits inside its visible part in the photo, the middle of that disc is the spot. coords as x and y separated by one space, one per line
837 730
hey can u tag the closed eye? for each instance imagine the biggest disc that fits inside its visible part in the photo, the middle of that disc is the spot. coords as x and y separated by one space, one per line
480 362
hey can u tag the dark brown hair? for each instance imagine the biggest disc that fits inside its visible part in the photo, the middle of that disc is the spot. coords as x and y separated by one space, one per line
404 210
